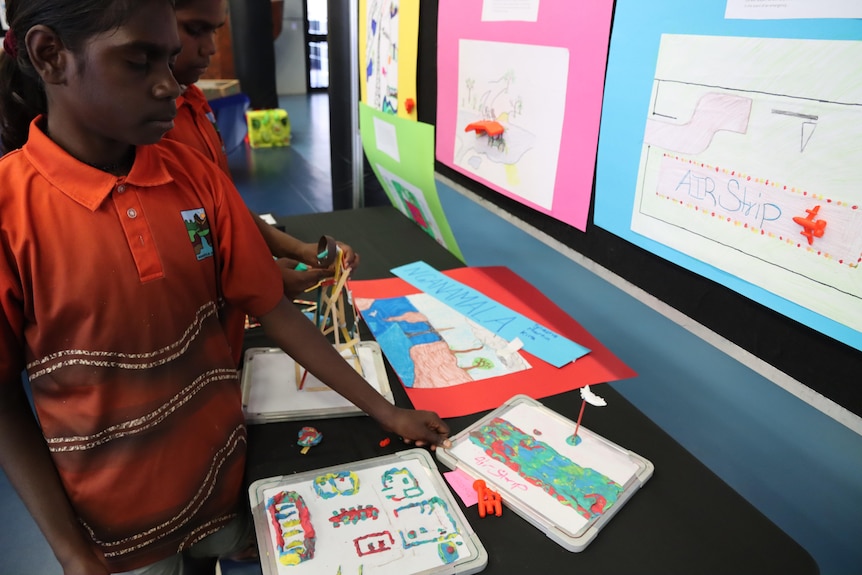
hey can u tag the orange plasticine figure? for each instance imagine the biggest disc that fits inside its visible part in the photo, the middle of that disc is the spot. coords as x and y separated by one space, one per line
811 226
489 500
490 127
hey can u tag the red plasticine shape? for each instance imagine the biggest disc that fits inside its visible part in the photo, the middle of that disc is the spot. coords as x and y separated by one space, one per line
489 127
811 226
489 500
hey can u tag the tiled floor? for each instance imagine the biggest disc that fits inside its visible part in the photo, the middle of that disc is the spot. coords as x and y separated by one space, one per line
294 179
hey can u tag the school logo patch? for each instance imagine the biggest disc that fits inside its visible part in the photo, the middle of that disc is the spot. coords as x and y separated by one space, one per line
198 226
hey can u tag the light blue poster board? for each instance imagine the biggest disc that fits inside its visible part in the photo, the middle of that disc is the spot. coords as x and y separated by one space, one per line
504 322
664 53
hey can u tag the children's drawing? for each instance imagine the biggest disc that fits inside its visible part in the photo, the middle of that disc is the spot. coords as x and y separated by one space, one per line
751 163
511 104
410 201
431 345
525 456
412 532
585 489
381 53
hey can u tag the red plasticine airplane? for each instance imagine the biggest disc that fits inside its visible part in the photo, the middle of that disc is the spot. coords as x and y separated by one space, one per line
489 127
811 226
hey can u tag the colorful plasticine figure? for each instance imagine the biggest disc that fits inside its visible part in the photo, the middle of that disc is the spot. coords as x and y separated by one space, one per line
308 438
546 468
399 484
489 500
329 485
294 533
425 521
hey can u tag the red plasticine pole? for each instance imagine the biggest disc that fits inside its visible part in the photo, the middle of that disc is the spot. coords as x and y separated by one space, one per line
580 415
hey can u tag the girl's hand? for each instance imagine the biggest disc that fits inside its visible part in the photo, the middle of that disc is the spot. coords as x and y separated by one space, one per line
296 281
350 257
418 427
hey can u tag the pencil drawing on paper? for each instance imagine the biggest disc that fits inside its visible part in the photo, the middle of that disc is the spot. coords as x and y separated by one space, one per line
410 201
396 522
381 54
511 104
431 345
755 168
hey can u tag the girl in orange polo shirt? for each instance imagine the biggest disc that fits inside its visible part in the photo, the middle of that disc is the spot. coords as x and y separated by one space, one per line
118 252
197 23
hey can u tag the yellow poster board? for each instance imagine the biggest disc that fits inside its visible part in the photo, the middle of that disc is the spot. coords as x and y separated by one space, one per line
388 48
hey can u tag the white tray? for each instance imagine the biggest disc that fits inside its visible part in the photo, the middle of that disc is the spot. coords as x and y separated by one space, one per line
269 389
541 476
389 515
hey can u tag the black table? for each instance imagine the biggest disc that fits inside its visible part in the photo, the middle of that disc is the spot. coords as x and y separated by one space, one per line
684 520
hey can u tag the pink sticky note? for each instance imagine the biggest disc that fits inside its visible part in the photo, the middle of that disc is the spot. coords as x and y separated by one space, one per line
462 484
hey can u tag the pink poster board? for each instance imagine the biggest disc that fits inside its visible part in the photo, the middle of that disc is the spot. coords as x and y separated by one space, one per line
541 81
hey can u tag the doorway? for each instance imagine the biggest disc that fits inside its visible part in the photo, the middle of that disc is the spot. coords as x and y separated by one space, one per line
317 28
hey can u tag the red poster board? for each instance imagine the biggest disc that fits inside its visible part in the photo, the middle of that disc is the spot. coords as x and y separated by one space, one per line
542 380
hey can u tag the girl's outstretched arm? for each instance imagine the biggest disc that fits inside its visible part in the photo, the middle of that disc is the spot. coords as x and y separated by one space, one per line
301 339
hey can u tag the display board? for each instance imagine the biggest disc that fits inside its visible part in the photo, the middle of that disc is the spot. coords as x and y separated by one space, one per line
822 362
730 148
387 55
519 97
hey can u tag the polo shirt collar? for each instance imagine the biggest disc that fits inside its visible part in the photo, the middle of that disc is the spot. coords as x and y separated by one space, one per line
192 96
81 182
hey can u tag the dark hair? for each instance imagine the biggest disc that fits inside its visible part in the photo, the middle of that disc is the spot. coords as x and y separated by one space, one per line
22 96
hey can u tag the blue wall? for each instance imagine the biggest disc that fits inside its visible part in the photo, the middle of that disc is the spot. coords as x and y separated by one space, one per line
799 467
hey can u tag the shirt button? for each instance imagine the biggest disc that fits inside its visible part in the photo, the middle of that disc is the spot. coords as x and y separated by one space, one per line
121 188
132 213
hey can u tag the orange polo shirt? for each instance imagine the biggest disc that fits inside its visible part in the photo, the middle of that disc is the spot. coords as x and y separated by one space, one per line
195 126
110 293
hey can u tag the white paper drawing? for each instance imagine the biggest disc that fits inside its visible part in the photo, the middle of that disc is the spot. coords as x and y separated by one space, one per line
534 461
431 345
381 50
410 200
752 163
375 526
521 89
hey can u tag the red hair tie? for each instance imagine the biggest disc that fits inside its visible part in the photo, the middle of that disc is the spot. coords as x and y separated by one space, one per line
10 44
